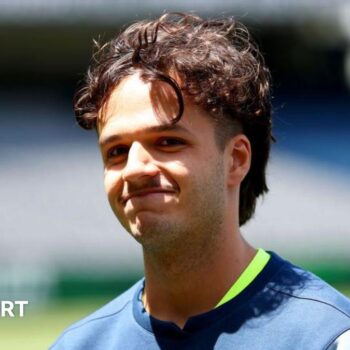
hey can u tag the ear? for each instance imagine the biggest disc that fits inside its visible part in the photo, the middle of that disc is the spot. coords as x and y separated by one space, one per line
239 157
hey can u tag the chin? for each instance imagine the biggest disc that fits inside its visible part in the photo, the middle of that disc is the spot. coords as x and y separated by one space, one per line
153 230
146 223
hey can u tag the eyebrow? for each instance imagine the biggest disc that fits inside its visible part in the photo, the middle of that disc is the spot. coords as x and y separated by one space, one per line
150 129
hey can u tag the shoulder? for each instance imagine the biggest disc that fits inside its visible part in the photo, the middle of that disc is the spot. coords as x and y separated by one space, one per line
308 304
303 285
83 334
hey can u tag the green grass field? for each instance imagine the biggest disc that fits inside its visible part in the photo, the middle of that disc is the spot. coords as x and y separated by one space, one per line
40 327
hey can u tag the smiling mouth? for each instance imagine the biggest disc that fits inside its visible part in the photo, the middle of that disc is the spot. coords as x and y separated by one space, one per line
145 192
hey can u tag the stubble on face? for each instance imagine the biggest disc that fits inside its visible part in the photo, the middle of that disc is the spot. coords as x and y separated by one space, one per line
187 245
198 228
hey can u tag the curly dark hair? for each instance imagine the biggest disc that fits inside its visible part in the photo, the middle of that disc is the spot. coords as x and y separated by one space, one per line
221 69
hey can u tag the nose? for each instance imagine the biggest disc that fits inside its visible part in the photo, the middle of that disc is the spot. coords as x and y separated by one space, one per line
139 164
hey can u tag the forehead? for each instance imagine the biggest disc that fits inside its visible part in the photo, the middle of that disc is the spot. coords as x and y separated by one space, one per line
135 105
137 101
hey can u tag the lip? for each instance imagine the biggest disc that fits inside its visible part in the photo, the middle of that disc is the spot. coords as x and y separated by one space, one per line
145 192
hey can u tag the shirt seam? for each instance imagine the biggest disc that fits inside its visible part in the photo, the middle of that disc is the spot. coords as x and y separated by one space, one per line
321 302
72 328
336 337
311 299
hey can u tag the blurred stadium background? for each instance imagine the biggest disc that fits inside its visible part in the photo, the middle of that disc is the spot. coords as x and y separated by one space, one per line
60 246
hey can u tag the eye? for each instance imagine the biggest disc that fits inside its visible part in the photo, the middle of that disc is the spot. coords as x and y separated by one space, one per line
117 152
170 142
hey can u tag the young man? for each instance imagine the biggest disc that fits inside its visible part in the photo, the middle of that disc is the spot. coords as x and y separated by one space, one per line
182 110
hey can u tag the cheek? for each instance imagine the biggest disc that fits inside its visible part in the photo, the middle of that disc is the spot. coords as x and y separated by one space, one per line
178 174
112 184
179 169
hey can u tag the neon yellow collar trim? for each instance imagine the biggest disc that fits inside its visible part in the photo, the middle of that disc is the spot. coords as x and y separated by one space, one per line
248 275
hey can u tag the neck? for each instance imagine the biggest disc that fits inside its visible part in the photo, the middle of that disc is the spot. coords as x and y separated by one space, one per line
192 278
